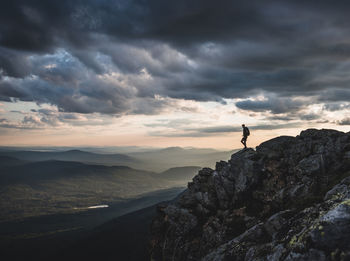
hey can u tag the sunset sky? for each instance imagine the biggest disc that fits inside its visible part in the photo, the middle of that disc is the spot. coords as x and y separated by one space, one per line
171 73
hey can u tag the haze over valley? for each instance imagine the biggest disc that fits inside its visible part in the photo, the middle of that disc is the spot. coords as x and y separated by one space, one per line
35 183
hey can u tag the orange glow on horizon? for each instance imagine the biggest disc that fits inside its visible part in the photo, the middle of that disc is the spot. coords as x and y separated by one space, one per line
224 141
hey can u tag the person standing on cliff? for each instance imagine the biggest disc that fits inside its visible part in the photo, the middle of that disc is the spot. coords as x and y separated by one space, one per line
246 133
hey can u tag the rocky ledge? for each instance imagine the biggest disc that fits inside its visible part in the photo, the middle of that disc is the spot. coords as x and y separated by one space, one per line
287 200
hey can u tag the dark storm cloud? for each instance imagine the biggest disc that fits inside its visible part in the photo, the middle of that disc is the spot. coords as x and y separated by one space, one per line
336 95
200 50
345 121
28 123
273 104
298 115
280 118
218 129
210 131
43 24
227 129
7 92
336 106
310 116
13 63
62 80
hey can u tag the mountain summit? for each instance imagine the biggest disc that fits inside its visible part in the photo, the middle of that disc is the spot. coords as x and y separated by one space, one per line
287 200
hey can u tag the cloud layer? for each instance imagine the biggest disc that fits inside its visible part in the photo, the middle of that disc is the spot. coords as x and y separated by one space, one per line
140 56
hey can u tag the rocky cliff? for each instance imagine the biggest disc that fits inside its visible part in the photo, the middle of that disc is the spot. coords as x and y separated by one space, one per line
287 200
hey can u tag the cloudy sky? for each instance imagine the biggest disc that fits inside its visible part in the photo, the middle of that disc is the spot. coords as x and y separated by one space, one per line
171 73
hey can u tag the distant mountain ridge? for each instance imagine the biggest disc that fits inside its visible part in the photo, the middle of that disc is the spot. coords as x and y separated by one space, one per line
39 171
10 161
72 155
156 160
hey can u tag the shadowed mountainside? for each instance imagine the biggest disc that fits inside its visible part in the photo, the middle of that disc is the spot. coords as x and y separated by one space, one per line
123 238
288 200
6 161
80 236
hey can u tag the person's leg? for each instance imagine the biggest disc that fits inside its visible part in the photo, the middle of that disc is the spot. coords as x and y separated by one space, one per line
243 141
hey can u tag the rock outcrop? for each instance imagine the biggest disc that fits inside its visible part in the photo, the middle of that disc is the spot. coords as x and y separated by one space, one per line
287 200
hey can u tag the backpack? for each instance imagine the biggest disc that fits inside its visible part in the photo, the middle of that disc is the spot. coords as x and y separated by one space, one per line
247 132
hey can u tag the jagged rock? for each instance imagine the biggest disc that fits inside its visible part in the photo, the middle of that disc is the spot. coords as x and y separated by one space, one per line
333 230
288 200
340 191
276 222
275 148
277 253
312 254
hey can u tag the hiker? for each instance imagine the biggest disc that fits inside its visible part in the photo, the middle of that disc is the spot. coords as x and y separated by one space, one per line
246 133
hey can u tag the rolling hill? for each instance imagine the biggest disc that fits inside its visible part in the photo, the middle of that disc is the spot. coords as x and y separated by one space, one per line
50 187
